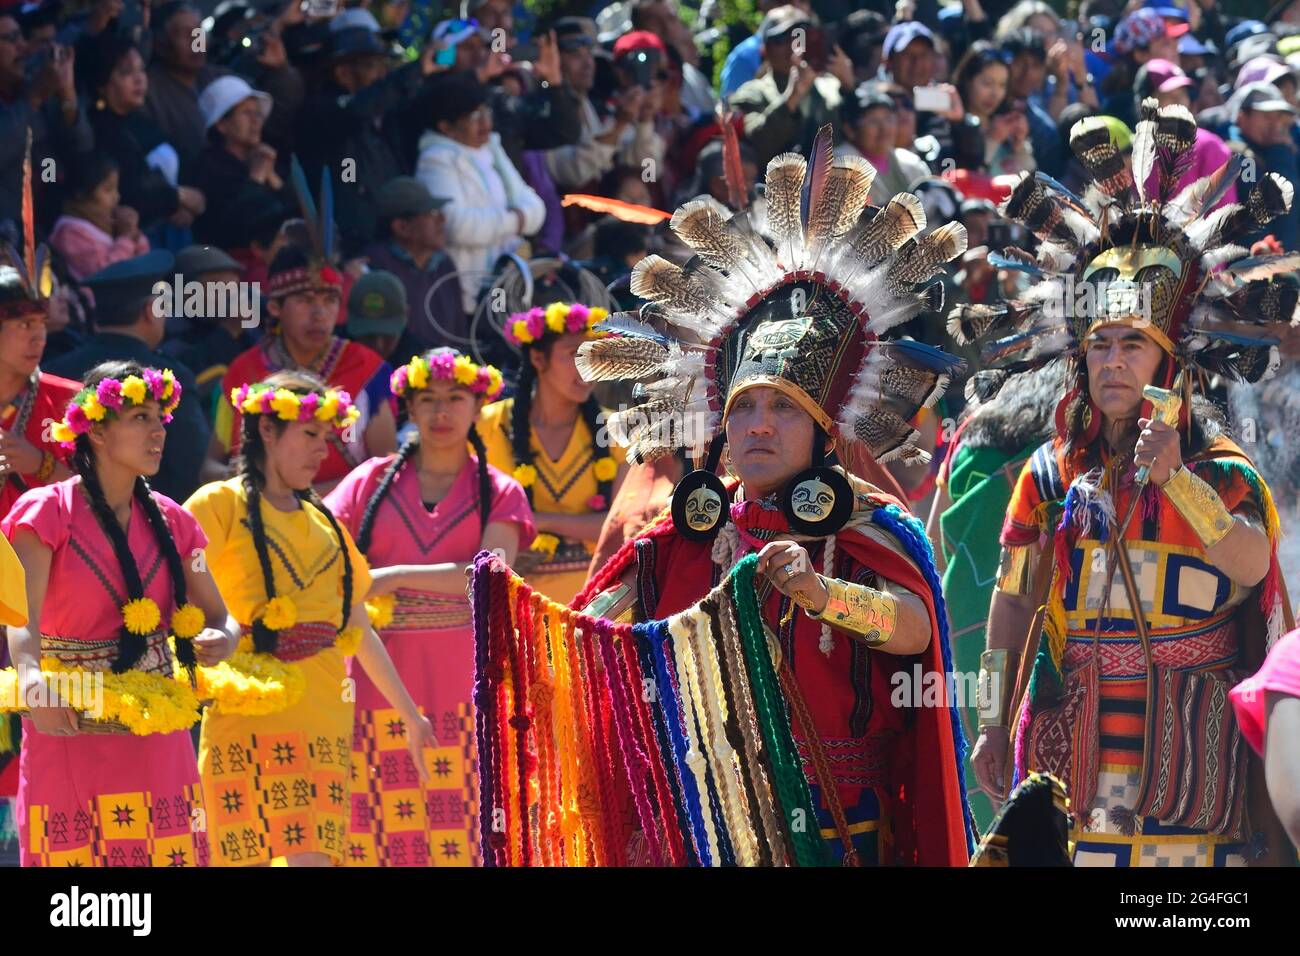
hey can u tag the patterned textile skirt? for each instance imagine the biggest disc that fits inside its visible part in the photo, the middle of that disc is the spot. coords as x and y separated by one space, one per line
116 799
278 785
1110 834
397 821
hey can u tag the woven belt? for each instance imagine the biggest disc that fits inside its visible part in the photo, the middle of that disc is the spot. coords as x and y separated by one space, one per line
302 640
427 611
1211 648
854 761
100 655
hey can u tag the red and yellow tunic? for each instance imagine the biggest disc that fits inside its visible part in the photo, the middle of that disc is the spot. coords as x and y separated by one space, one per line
39 405
1152 757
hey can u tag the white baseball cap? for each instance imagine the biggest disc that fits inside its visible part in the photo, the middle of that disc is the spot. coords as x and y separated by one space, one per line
225 93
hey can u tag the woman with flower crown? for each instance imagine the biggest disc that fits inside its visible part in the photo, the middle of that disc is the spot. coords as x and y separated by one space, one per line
274 753
419 517
551 439
111 573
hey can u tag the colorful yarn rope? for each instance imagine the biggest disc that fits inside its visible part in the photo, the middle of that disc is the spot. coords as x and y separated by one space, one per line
667 743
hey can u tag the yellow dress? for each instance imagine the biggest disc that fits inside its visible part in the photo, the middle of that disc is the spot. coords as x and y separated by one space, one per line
564 486
278 785
13 586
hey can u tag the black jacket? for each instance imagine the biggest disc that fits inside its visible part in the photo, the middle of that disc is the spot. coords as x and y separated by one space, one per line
129 139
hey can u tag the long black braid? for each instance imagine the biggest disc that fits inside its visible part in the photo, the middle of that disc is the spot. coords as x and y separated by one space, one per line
252 456
521 427
131 646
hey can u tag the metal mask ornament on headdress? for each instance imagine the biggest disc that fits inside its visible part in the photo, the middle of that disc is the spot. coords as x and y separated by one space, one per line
805 308
1164 256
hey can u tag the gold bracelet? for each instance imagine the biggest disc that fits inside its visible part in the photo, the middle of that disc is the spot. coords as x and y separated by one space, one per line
858 610
991 695
1013 570
1200 506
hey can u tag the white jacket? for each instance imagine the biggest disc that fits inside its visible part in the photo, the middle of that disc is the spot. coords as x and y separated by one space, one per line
483 186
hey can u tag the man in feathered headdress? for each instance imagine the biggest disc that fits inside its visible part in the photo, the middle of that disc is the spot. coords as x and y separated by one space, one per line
780 356
1140 546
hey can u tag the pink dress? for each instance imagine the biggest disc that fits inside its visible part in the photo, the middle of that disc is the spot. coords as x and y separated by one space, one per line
87 248
104 799
396 821
1280 674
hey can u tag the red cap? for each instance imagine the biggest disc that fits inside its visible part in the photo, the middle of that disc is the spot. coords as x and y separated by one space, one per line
639 40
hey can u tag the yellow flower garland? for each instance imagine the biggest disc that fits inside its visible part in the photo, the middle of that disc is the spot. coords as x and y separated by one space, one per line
188 621
349 641
526 475
545 543
380 609
144 703
280 614
251 684
604 468
141 616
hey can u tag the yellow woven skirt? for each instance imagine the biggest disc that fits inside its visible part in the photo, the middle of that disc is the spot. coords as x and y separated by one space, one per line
277 785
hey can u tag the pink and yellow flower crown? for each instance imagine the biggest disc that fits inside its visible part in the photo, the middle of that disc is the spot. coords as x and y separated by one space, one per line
450 365
111 396
526 328
333 406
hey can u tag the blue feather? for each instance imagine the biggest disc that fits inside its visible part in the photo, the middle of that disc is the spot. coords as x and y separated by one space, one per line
998 261
927 355
303 192
1061 188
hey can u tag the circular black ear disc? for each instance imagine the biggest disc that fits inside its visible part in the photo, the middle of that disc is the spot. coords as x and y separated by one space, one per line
700 505
817 501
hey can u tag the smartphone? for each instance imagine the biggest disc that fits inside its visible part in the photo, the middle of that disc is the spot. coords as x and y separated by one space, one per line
931 99
446 56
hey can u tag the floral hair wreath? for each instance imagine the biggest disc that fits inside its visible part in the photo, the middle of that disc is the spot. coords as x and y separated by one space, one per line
111 396
526 328
449 365
331 406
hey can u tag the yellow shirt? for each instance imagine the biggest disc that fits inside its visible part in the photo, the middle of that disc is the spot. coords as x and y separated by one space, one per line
564 486
304 555
13 586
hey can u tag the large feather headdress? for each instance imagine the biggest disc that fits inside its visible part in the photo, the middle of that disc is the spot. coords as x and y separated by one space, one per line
807 308
1124 251
321 270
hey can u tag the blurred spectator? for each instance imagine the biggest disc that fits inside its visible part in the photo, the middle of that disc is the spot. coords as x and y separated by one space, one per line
413 236
1027 65
214 334
660 18
619 246
746 57
41 97
491 207
710 177
377 311
870 131
602 141
785 106
178 71
1142 35
1265 120
350 125
147 163
95 229
237 166
641 65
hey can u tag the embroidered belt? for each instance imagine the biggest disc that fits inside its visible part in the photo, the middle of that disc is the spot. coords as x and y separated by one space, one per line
100 655
1212 648
854 761
426 611
302 640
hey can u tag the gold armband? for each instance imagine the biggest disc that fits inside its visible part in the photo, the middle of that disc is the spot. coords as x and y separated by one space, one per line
859 610
991 693
1013 569
1200 505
